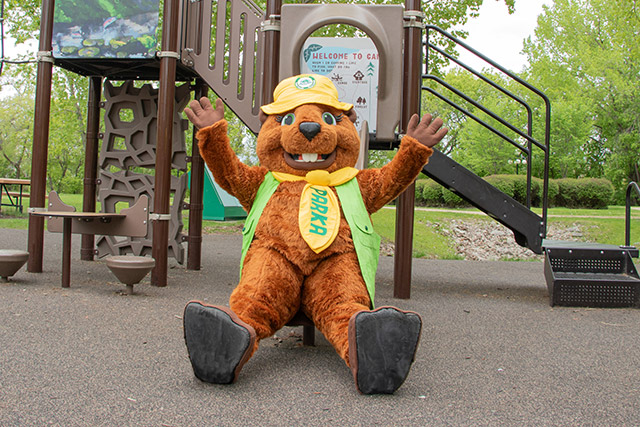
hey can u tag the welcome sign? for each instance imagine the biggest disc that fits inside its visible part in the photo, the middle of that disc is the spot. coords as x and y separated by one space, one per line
352 64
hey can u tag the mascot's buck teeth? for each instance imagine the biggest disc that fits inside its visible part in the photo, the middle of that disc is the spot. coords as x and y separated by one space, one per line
310 157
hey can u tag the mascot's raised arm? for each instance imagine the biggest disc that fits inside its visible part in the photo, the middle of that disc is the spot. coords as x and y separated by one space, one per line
308 241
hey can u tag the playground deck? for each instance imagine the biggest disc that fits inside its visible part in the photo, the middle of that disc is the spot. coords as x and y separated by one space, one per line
493 352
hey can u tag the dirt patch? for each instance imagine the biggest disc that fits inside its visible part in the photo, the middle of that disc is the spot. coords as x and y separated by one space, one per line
481 240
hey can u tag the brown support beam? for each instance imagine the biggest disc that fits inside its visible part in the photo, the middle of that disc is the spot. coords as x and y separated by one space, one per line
194 254
166 101
91 162
35 240
405 203
271 56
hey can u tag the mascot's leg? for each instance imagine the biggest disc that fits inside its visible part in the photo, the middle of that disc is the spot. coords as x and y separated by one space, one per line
379 346
221 340
333 293
268 294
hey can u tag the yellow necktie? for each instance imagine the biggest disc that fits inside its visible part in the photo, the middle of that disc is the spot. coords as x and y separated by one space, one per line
319 213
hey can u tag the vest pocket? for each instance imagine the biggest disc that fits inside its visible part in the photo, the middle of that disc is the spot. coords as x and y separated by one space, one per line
248 225
370 238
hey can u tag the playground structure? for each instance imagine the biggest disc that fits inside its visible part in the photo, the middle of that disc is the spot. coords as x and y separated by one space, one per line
64 219
218 205
242 63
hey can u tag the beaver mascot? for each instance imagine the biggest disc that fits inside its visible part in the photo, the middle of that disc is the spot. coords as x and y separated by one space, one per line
308 242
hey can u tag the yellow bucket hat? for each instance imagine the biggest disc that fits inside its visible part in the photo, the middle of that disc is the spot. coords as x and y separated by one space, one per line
304 89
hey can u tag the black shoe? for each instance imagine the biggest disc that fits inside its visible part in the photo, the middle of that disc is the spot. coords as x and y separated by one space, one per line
382 347
219 343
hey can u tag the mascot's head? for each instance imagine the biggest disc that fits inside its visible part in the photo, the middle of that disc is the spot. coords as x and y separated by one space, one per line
307 128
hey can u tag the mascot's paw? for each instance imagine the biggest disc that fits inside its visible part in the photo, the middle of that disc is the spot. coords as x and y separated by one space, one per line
219 343
382 346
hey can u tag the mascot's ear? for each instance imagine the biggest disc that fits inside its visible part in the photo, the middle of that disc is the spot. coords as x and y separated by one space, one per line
262 116
352 115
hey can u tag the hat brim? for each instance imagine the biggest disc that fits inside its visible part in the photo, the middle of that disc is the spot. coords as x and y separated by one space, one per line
288 105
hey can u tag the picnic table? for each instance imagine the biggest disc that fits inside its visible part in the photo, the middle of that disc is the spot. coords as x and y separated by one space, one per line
15 199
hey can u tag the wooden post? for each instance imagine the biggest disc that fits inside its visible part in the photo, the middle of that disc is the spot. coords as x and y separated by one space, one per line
271 56
35 240
166 101
91 162
411 86
194 254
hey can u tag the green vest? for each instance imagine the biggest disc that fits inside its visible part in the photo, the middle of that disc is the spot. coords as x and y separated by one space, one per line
365 239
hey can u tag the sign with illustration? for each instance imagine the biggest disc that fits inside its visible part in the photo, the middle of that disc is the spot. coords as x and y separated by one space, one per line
105 29
352 64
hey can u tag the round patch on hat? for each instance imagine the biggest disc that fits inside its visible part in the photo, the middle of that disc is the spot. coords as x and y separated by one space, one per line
305 82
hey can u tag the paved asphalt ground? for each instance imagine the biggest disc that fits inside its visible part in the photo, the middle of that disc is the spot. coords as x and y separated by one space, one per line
493 352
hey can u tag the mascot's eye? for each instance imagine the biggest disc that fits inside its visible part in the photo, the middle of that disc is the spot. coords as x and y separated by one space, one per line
288 119
329 118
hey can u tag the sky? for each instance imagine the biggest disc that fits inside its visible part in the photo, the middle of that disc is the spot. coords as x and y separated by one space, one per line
500 36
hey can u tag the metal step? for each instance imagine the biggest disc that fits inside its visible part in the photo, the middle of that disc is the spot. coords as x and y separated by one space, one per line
527 226
597 276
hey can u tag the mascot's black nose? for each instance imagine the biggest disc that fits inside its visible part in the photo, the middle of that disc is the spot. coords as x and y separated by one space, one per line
309 129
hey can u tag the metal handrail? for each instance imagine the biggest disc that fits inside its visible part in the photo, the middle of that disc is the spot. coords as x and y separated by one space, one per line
528 136
627 218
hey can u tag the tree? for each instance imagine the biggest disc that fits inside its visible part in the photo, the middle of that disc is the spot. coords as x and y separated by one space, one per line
586 54
16 131
469 142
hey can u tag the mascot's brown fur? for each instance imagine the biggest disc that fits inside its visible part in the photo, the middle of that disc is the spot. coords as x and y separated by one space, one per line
281 274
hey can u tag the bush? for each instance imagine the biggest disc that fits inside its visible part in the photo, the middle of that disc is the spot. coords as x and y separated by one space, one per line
432 194
420 183
71 184
554 190
452 200
516 186
594 193
504 183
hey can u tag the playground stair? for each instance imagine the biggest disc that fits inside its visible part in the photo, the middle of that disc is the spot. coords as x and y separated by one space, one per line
528 227
591 275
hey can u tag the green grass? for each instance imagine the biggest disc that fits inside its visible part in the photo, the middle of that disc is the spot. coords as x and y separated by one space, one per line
596 225
618 211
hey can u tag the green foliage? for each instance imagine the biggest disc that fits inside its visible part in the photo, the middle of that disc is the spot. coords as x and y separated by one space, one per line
451 199
553 191
516 186
584 193
420 183
16 131
432 194
585 54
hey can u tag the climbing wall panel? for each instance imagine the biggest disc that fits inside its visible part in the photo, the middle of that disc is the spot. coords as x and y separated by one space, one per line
127 159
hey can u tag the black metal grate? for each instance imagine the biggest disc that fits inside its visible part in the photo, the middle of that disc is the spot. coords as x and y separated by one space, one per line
592 265
591 278
598 295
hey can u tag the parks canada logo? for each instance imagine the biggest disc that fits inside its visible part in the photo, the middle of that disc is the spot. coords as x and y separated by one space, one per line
305 82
